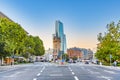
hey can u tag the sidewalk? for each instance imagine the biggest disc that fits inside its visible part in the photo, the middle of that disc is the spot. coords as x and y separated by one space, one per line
4 68
9 67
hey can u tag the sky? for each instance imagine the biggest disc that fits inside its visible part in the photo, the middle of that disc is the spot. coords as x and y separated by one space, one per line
82 19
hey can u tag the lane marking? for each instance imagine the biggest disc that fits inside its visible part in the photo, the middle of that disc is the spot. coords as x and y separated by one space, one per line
42 69
35 79
56 75
104 77
112 72
92 72
70 69
38 74
76 78
73 73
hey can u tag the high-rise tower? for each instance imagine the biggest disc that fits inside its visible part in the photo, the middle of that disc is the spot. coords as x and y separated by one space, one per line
59 35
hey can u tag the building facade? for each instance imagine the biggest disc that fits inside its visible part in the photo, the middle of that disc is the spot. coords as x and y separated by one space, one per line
87 54
59 40
80 53
48 54
74 52
56 47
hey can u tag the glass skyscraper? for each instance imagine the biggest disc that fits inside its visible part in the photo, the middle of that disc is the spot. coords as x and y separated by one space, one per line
59 33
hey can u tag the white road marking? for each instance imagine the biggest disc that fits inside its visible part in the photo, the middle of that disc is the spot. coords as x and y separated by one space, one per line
73 73
76 78
92 72
35 79
42 69
70 69
112 72
38 74
107 78
27 69
56 75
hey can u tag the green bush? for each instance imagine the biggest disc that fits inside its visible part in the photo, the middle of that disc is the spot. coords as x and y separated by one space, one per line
118 64
15 63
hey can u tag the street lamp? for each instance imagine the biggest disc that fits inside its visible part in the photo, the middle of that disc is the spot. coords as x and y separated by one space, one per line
110 59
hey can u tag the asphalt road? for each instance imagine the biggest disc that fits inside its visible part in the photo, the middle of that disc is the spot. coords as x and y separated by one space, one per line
51 71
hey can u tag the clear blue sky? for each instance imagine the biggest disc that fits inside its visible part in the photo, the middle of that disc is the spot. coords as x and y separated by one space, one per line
83 19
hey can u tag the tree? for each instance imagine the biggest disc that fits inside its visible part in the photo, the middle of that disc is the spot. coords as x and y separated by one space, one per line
65 56
39 48
14 40
3 36
29 46
15 36
109 43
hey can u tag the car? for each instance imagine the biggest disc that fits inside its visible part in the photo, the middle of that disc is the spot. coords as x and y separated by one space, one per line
86 62
74 61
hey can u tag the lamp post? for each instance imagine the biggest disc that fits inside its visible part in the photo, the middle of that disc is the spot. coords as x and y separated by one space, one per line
110 59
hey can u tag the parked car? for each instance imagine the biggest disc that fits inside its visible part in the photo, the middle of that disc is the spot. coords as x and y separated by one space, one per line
86 62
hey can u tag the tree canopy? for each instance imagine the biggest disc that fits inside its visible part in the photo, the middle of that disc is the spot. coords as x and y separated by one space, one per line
109 43
14 40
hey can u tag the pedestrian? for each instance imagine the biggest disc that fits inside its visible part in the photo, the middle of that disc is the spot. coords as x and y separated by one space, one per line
11 63
115 63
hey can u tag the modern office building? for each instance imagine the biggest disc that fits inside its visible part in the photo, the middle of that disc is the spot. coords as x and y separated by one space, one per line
59 37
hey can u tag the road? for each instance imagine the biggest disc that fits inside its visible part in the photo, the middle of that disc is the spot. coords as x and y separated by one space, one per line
51 71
